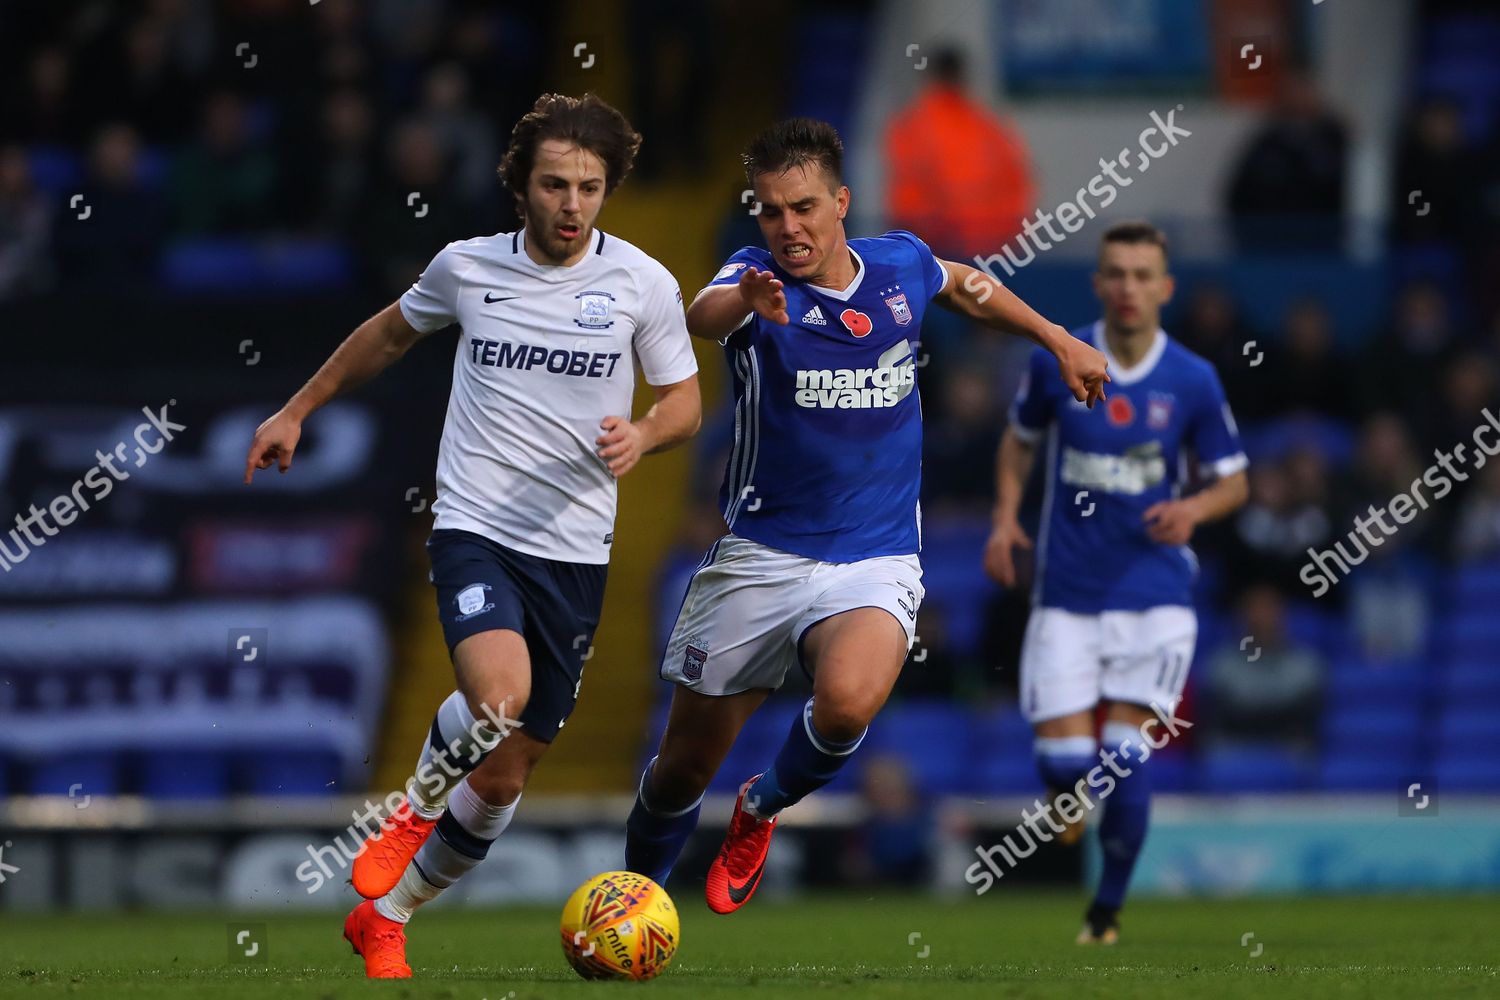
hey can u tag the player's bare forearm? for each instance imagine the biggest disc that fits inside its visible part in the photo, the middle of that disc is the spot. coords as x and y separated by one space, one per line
1220 498
716 312
673 418
1012 466
973 294
977 296
375 345
1172 522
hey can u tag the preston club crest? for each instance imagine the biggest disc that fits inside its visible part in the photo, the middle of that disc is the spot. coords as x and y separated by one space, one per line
473 600
593 310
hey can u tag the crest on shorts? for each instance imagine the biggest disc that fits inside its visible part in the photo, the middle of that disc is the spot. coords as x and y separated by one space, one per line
471 601
692 662
593 310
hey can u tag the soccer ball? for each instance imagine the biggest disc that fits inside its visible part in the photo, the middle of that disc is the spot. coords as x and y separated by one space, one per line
619 925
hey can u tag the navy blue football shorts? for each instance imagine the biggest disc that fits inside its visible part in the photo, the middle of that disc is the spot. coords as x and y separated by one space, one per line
483 585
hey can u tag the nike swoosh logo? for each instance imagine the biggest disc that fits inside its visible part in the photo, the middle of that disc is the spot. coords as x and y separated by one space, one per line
499 298
738 894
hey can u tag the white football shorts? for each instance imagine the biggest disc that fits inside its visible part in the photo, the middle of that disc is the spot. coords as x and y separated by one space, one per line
748 605
1070 661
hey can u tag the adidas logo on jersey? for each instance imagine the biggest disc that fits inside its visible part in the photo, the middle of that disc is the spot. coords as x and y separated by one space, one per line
888 383
814 317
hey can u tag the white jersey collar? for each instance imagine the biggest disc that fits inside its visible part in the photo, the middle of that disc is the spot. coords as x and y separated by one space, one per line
844 294
1118 373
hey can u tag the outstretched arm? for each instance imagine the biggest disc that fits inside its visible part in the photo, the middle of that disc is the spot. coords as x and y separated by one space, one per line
973 294
719 310
375 345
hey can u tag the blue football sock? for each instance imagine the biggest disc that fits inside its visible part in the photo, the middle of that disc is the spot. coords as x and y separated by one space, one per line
1127 811
654 840
807 762
1063 760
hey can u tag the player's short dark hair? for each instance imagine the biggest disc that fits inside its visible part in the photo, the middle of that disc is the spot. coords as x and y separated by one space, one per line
1135 232
796 142
587 121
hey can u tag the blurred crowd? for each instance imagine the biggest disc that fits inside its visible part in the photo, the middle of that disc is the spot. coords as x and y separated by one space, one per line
178 121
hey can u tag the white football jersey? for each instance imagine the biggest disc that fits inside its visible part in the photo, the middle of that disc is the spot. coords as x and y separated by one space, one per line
545 353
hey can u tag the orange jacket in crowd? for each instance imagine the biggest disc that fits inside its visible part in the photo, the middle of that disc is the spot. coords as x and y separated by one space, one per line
957 174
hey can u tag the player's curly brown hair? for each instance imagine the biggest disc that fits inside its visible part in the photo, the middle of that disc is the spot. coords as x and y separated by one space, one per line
588 121
796 142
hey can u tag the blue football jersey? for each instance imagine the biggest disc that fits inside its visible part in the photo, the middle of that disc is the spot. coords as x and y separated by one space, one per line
1106 466
827 456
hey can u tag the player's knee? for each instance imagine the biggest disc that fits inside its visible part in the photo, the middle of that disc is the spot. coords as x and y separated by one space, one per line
677 782
496 705
843 720
500 786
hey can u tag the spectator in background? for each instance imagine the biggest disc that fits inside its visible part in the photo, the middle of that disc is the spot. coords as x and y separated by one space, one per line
1390 606
500 53
331 180
46 107
1287 191
415 212
1434 197
1386 463
224 182
464 133
1287 514
1477 537
26 266
893 846
1212 327
958 452
1266 693
118 244
1467 388
343 45
1310 377
1405 362
138 82
956 171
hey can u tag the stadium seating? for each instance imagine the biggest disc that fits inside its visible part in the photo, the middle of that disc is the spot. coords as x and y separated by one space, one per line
120 700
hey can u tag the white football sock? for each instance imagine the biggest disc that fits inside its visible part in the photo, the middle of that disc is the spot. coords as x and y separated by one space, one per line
463 743
460 841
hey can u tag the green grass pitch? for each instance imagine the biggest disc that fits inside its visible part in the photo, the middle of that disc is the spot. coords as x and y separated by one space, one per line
1009 944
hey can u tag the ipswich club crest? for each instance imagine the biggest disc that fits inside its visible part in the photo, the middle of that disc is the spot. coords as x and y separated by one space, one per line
1159 411
692 662
900 311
